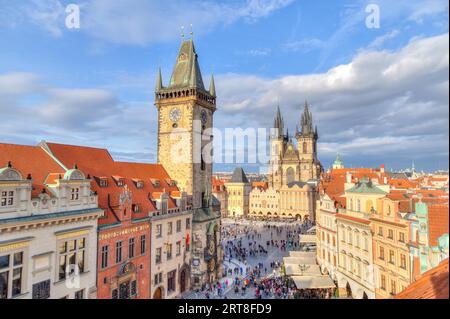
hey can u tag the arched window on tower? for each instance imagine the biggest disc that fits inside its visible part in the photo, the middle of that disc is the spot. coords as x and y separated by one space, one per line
305 147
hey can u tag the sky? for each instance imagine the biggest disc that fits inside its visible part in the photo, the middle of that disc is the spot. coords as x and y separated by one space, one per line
378 95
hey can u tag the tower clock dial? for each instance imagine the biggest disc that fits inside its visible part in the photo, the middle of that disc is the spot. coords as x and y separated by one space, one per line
204 117
175 114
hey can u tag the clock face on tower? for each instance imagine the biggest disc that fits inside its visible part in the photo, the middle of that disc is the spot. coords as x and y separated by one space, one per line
204 117
175 114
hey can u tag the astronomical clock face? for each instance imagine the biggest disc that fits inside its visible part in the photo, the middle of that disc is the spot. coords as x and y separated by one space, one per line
175 115
204 117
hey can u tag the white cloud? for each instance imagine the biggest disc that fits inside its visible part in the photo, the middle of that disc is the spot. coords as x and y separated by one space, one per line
304 45
145 21
381 102
379 41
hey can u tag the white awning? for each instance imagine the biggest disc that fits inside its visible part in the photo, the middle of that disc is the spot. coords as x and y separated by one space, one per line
302 254
305 260
313 282
308 239
302 270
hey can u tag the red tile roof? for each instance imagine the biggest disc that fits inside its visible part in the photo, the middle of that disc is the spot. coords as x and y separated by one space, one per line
437 222
403 184
433 284
30 160
99 163
260 185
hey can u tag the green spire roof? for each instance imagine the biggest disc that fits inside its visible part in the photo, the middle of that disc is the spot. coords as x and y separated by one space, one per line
338 159
159 84
212 86
186 72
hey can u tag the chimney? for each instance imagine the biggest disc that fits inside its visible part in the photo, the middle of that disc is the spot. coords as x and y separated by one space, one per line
348 177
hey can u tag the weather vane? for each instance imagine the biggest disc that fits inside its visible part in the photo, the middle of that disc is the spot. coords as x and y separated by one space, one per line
182 32
192 32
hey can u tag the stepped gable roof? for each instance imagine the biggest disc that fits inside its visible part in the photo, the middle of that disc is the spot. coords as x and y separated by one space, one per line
433 284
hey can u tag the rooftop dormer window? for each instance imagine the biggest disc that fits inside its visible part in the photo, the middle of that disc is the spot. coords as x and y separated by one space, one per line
120 181
7 199
138 183
75 194
156 183
102 181
136 208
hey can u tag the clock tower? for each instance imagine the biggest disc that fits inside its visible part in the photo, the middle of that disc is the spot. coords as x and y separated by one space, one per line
185 119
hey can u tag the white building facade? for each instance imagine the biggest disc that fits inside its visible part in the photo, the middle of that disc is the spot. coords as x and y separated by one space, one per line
48 236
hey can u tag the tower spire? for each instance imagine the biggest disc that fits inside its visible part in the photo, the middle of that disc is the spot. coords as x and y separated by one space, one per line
306 120
212 86
278 122
159 84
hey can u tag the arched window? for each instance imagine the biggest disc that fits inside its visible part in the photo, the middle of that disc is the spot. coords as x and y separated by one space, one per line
305 147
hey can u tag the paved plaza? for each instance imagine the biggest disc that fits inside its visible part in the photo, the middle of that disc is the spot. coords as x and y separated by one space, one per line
254 250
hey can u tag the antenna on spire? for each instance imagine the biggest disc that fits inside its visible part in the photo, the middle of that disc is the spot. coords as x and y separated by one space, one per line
192 32
182 32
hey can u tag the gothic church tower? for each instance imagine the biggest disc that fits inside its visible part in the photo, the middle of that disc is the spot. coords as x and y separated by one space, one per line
310 166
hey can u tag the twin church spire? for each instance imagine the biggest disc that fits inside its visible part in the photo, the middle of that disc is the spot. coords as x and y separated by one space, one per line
306 122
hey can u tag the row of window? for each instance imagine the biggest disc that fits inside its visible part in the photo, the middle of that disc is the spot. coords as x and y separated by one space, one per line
159 227
391 234
354 238
391 260
103 182
71 257
119 247
393 285
268 206
169 249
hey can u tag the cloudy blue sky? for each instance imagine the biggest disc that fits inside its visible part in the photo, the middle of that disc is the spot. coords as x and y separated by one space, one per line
378 95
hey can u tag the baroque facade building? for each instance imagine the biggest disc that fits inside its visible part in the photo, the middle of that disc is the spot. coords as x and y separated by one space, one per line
185 119
48 227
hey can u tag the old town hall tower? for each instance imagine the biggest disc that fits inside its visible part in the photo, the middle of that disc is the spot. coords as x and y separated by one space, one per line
185 118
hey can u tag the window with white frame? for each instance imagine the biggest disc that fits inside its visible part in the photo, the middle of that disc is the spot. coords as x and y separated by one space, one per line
11 275
158 230
7 198
71 255
75 194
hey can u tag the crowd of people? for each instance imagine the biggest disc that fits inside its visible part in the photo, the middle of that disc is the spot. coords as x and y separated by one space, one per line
250 270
